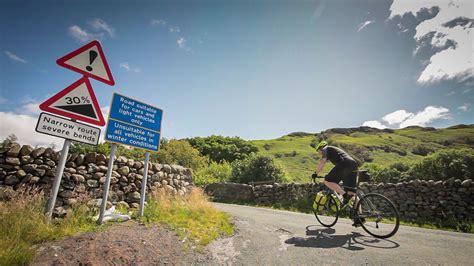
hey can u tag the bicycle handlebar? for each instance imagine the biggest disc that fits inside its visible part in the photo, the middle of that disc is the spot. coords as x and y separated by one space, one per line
314 176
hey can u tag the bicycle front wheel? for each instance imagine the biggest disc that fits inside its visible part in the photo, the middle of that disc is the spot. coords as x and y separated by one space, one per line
378 215
327 213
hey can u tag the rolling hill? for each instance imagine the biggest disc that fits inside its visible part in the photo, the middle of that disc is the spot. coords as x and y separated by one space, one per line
367 145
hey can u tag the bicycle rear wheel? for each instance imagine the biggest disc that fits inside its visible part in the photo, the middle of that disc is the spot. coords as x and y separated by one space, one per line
327 213
378 215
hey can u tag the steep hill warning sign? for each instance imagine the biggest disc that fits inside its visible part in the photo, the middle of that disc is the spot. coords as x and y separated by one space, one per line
77 101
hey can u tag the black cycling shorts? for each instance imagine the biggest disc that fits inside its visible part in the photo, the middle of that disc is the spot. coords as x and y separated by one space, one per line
345 171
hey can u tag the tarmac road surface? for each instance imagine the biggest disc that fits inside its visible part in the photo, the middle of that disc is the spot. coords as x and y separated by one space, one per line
273 237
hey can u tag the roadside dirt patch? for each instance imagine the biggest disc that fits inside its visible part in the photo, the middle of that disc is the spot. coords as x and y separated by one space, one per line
122 244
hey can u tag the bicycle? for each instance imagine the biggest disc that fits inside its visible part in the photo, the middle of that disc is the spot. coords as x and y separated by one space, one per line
374 212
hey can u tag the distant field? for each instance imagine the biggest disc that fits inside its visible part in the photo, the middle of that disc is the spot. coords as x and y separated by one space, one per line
382 147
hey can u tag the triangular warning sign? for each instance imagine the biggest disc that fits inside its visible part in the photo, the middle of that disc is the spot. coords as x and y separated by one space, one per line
77 101
90 61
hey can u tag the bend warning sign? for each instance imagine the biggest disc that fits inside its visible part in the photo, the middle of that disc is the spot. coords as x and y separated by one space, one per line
90 61
64 128
77 101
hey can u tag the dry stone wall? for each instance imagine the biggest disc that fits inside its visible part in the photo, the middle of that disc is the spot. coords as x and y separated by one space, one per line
415 200
84 174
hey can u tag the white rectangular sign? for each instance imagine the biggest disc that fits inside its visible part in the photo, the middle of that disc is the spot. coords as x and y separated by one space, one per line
64 128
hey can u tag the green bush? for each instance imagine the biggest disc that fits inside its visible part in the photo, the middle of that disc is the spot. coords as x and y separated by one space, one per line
445 164
214 173
393 173
257 167
422 150
220 148
180 152
442 165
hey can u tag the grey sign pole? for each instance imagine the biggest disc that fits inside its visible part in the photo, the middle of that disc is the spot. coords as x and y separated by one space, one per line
105 196
145 176
57 179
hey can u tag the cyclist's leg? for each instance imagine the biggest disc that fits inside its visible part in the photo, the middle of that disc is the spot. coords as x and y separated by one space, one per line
349 177
333 178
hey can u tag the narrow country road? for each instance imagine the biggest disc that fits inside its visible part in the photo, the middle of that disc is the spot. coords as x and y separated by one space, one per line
272 237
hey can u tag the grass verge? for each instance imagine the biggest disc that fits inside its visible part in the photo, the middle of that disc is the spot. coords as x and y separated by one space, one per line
192 216
22 225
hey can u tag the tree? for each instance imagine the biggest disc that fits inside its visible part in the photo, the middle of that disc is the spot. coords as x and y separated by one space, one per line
214 173
179 152
220 148
257 167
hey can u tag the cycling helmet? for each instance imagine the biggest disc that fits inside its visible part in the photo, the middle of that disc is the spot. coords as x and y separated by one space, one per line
321 145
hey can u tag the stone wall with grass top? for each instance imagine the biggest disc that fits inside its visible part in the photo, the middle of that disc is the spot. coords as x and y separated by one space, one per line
84 176
415 200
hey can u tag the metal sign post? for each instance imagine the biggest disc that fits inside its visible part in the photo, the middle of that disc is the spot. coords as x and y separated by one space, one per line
145 175
133 123
57 179
105 196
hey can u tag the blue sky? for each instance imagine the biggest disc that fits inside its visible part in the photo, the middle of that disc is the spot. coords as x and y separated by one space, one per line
254 69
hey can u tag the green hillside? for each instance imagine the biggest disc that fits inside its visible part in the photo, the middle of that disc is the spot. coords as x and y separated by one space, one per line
367 145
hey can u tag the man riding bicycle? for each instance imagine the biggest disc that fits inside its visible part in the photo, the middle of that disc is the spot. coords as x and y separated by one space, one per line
345 169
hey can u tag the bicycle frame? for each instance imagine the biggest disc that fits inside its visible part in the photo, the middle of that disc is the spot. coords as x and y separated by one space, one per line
357 196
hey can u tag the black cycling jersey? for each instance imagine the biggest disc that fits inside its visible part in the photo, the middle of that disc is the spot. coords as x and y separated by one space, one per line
336 155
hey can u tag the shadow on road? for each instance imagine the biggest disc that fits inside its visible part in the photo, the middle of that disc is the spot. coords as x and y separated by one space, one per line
326 238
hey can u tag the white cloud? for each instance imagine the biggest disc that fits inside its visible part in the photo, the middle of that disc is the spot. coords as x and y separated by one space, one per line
100 25
374 124
128 68
23 126
157 22
181 42
31 108
402 118
174 29
452 62
15 57
465 107
365 24
80 34
425 117
397 117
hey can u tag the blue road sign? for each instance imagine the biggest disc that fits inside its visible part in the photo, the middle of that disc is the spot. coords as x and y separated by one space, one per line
134 123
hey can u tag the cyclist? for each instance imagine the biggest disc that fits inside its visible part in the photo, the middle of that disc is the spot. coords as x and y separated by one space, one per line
345 169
